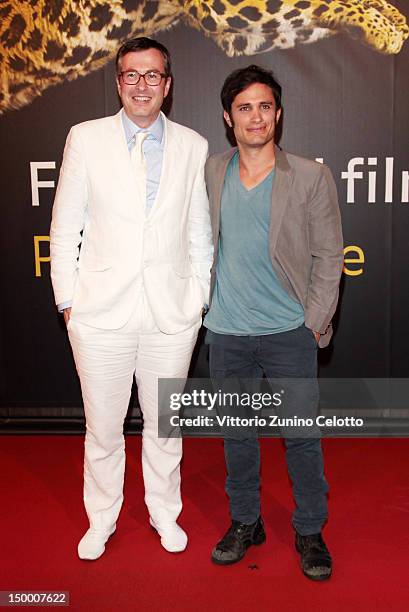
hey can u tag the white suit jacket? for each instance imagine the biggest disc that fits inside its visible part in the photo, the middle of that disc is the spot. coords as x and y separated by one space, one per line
167 253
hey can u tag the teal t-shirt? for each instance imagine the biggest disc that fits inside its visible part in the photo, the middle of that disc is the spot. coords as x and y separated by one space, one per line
248 298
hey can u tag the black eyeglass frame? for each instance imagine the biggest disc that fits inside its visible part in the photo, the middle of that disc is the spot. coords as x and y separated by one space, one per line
161 74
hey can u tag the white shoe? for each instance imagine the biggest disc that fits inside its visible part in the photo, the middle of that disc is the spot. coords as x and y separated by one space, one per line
92 545
172 537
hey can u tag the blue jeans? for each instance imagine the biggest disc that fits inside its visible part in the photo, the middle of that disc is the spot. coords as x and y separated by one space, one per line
288 354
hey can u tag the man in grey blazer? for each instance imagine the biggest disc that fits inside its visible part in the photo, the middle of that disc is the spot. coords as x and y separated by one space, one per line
274 289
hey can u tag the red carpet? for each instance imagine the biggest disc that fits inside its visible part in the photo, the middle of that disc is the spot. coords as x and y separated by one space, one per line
368 532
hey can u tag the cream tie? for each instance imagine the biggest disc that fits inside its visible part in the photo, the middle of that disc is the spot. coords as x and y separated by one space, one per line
139 164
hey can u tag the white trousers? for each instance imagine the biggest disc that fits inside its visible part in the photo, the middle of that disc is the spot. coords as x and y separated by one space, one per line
106 362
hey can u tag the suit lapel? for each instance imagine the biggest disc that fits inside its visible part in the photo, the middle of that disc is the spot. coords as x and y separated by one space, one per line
121 158
280 195
170 162
219 173
120 150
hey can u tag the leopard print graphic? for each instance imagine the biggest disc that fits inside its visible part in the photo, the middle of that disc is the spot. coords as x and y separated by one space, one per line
45 42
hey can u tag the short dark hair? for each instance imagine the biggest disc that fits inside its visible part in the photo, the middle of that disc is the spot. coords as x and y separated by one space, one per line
242 78
143 44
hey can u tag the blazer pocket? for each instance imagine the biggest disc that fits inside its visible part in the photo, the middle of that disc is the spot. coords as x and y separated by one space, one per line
183 269
94 264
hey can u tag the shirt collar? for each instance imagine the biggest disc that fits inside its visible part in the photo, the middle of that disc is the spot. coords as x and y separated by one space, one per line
155 131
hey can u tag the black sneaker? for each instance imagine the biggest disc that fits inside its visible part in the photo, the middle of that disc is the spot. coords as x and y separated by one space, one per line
234 544
316 560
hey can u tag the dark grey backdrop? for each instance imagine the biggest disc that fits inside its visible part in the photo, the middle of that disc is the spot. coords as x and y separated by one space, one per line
341 100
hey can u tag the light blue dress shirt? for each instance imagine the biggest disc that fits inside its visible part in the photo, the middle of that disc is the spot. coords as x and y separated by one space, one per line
153 147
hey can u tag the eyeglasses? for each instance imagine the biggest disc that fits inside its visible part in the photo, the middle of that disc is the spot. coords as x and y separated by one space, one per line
132 77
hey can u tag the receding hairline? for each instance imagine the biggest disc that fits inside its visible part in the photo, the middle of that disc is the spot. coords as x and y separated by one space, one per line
143 43
164 58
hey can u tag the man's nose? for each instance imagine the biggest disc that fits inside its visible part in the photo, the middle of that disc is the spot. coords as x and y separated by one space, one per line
256 115
141 84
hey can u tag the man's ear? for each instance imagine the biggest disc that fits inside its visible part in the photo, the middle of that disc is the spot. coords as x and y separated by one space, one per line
227 119
278 115
167 86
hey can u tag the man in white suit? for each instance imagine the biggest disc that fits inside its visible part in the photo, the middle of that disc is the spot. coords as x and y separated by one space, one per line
131 195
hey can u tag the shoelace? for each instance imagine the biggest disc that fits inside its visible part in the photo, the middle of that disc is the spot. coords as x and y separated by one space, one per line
235 530
317 544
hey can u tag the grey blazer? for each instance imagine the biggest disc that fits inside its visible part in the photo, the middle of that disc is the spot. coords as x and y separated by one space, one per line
306 246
